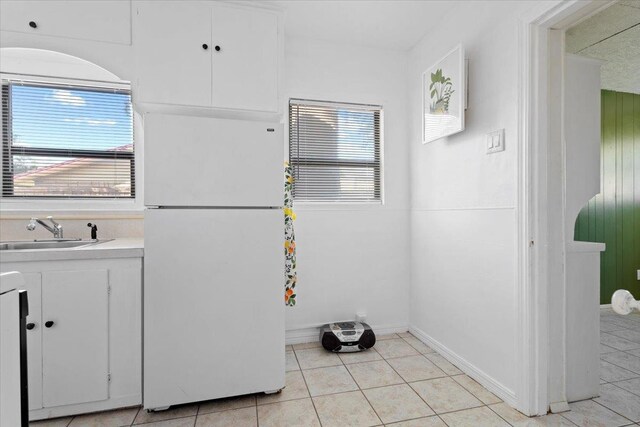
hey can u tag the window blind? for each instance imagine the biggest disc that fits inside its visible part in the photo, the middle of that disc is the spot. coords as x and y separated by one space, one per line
66 141
335 151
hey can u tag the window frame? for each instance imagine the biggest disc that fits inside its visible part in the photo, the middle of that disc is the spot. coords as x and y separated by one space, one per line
63 204
380 200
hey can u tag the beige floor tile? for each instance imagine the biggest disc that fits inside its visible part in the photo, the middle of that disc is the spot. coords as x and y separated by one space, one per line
397 403
418 345
632 386
623 360
445 395
288 348
416 368
631 334
604 349
442 363
553 420
333 379
120 417
617 342
317 358
508 413
294 413
475 417
374 374
386 337
306 345
291 363
590 414
245 417
477 390
295 388
609 326
55 422
360 356
395 348
620 401
405 334
421 422
345 409
173 412
219 405
177 422
635 352
610 372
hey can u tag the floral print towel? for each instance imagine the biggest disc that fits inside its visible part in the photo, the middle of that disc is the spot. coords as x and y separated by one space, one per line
290 274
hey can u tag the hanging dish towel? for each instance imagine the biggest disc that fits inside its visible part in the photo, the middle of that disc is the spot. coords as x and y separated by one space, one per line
290 274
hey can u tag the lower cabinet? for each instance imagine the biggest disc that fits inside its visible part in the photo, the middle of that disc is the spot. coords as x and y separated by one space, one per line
84 334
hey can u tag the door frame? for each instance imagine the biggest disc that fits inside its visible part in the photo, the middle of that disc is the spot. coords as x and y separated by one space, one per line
541 304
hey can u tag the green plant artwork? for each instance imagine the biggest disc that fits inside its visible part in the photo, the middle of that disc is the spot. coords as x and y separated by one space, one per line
441 90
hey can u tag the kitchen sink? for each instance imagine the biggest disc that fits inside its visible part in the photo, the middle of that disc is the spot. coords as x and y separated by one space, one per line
47 244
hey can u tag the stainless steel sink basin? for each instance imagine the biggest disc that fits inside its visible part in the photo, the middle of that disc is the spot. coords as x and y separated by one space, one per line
47 244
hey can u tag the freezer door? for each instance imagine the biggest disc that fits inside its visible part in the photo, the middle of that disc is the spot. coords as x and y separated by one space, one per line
202 161
213 304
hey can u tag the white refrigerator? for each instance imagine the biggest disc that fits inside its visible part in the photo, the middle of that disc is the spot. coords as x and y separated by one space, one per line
213 266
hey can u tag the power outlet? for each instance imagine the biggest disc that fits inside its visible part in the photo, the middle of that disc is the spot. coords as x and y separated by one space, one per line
495 141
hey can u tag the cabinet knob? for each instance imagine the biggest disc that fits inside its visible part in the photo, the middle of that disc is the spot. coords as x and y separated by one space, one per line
33 24
205 46
30 326
48 323
217 48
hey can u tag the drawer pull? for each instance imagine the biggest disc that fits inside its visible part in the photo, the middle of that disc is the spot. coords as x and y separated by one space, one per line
48 323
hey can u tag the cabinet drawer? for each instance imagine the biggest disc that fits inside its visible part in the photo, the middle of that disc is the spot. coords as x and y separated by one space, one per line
97 20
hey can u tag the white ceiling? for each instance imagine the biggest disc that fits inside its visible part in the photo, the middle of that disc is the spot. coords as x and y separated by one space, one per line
613 36
386 24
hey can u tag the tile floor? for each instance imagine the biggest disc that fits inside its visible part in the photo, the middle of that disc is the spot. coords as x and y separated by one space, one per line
403 383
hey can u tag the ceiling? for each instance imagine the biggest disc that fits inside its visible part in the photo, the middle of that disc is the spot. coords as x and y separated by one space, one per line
385 24
613 36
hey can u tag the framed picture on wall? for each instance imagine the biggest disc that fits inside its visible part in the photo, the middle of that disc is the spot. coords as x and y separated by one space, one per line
443 96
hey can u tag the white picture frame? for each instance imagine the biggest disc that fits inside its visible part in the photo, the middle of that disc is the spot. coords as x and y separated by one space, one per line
444 96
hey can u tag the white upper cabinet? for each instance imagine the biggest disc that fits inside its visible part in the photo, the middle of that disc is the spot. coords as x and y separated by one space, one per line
207 54
174 67
245 69
97 20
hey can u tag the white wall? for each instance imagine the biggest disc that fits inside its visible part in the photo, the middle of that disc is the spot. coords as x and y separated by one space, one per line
353 257
463 288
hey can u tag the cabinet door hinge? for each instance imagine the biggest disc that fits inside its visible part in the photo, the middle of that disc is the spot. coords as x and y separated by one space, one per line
109 289
109 377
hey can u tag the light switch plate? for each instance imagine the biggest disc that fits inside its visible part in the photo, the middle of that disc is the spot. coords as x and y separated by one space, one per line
495 141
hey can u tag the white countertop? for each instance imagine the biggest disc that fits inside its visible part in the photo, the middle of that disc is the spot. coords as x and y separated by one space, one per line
117 248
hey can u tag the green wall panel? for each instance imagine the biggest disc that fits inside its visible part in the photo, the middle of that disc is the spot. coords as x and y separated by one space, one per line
613 216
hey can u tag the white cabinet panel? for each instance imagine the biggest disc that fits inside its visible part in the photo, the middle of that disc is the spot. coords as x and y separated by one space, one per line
214 304
98 20
199 161
75 348
32 284
245 68
173 66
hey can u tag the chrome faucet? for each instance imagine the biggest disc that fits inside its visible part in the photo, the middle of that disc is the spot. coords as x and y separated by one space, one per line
56 229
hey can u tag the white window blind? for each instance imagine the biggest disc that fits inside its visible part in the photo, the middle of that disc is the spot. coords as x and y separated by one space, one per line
66 141
335 151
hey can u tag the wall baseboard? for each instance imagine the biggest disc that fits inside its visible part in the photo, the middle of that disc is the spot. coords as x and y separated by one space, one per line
305 335
605 305
468 368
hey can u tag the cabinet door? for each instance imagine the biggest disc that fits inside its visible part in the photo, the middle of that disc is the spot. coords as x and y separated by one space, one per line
245 69
200 161
173 67
32 284
75 348
98 20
